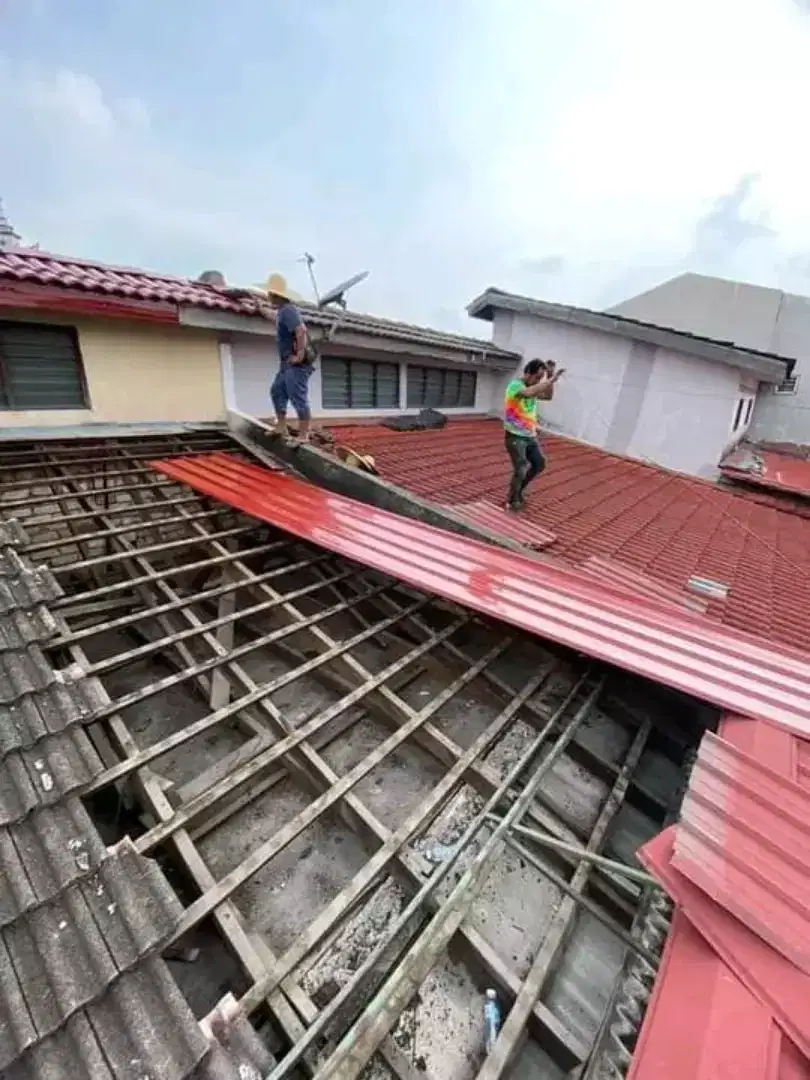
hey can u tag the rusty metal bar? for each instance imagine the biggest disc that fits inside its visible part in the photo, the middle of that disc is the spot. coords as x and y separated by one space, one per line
356 1049
146 525
68 497
183 602
171 742
153 549
418 820
169 572
513 1031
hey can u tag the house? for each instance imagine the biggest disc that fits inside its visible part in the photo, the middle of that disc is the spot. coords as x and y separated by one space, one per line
85 343
676 398
750 316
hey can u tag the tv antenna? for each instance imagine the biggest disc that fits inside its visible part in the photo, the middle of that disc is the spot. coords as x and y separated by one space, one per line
336 296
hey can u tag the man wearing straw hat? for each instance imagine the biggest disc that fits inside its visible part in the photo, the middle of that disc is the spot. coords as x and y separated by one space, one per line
291 384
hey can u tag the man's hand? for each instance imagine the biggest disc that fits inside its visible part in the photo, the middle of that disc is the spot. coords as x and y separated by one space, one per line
295 359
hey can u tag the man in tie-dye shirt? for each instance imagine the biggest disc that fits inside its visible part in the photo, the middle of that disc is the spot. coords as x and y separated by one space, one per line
536 383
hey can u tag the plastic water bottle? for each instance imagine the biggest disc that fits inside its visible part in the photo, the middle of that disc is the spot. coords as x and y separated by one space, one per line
492 1018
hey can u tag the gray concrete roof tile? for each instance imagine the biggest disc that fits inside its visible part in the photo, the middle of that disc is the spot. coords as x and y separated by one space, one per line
44 854
23 672
65 953
32 717
83 995
19 629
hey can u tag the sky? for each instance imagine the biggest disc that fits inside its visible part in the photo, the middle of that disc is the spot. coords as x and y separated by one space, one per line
578 151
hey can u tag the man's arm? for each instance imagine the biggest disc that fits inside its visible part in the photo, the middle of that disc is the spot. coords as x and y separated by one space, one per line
543 389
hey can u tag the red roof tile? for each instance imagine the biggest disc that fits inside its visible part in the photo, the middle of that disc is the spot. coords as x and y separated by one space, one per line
769 469
501 522
662 524
28 267
744 838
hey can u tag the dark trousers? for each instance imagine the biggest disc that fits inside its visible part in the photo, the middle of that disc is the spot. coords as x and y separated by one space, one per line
291 384
527 463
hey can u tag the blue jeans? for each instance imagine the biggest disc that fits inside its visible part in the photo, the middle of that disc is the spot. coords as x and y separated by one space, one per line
527 463
291 384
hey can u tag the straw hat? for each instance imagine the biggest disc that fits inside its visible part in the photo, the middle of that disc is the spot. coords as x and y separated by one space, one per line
276 285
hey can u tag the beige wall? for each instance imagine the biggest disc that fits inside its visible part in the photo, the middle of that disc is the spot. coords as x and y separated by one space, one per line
136 373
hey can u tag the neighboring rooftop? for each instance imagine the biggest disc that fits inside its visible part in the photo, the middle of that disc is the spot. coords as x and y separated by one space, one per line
769 365
751 316
663 524
24 273
780 467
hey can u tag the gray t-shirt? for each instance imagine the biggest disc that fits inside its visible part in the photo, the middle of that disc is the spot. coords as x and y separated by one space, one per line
288 319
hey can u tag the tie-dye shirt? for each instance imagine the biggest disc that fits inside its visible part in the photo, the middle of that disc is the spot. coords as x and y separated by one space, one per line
519 412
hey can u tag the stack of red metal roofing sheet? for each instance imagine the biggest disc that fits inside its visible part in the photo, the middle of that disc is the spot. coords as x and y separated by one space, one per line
731 995
498 520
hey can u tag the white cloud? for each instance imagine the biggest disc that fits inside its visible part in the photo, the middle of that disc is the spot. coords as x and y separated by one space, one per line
574 149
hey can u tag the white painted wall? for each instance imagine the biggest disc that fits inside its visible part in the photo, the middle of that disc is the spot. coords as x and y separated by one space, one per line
632 398
687 415
251 363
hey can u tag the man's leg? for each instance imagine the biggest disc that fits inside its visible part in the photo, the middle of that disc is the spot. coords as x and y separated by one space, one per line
298 376
537 462
515 447
280 398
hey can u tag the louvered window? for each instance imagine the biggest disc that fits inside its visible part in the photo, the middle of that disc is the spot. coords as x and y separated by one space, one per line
40 368
359 384
440 388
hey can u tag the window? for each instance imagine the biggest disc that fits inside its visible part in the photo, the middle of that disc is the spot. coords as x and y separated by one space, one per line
440 388
40 368
359 384
787 385
738 414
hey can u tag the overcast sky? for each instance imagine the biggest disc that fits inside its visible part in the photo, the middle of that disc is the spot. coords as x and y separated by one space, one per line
575 150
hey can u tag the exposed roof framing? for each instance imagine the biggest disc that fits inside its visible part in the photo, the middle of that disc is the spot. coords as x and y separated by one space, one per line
322 761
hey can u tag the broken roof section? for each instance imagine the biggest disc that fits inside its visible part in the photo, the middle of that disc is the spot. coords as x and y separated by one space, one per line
780 469
768 366
310 814
83 993
670 527
31 278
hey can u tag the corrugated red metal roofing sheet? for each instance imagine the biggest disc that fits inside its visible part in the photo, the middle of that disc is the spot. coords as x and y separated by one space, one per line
744 838
781 987
665 525
613 572
564 605
501 522
768 469
703 1023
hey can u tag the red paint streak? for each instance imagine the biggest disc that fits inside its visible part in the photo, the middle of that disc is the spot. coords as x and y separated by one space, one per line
744 838
641 635
661 524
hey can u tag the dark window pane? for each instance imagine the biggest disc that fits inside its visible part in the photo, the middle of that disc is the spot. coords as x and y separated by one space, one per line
440 388
40 368
335 383
359 384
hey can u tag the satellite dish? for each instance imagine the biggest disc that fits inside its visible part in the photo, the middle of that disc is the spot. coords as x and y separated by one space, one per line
338 294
